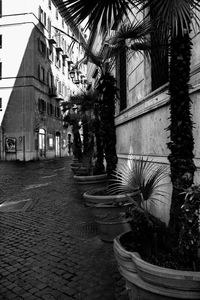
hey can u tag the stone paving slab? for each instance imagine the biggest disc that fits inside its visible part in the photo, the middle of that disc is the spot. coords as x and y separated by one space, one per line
51 249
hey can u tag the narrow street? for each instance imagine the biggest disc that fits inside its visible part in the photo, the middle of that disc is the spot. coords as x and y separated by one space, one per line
49 247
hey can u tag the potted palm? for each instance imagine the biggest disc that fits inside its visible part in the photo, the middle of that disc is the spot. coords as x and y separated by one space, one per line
142 183
91 172
173 20
153 269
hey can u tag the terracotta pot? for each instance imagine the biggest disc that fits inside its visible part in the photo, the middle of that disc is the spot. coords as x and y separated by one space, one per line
89 182
145 281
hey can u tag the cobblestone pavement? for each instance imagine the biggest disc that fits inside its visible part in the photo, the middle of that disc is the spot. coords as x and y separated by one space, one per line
49 248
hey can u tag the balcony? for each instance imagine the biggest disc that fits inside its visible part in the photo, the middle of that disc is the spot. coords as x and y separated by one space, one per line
65 55
52 40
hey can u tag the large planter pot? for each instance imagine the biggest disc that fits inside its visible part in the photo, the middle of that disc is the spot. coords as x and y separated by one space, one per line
110 214
108 210
108 230
145 281
89 182
92 197
75 166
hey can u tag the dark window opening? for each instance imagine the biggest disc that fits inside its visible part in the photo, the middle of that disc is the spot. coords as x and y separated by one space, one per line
41 73
121 78
41 105
42 47
0 70
0 40
159 58
51 109
0 8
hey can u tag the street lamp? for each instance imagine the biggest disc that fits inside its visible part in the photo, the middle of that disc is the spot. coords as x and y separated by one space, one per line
72 74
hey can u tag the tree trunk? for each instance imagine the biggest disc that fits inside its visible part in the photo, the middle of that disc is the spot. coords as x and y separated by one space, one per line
99 166
181 136
108 91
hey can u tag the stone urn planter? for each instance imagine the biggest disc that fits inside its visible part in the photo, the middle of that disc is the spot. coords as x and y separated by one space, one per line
75 166
145 281
109 213
90 182
97 196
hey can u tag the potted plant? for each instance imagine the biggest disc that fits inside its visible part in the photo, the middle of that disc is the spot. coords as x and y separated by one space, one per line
151 267
91 171
142 182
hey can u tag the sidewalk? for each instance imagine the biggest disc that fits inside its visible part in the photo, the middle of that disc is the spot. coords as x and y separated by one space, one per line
49 248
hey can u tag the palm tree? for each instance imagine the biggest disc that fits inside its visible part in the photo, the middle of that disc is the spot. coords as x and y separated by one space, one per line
107 86
173 21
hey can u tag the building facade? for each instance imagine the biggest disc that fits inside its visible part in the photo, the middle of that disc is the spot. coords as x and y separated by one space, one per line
142 112
36 55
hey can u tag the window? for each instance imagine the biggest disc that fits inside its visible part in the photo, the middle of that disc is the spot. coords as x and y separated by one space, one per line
42 16
0 8
121 78
0 40
57 112
41 47
51 141
41 73
45 19
50 79
49 26
48 108
59 87
0 70
159 57
51 109
50 53
56 13
41 105
49 4
57 60
0 104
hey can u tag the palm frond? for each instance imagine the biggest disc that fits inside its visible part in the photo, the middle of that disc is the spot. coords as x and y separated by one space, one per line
140 176
172 15
136 31
79 37
96 12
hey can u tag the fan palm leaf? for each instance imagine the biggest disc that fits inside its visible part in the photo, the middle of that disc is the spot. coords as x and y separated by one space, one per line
140 176
96 11
136 31
173 14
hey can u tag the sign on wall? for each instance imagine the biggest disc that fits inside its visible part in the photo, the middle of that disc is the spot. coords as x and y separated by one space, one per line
11 145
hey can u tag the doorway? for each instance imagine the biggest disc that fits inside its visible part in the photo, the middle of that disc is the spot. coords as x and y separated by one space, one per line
58 149
42 143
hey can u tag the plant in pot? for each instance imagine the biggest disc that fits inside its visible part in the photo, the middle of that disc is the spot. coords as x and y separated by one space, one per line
152 266
91 173
126 193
